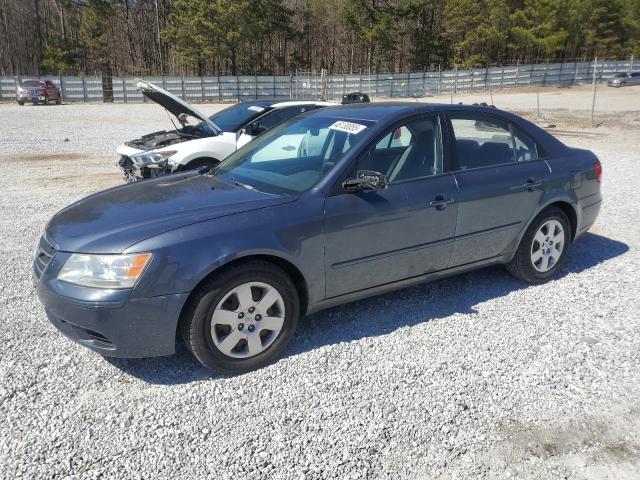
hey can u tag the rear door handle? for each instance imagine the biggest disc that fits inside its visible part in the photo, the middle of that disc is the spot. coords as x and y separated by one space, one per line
531 184
441 202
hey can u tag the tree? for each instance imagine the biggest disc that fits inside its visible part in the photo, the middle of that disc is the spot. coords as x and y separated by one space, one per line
537 30
60 55
95 31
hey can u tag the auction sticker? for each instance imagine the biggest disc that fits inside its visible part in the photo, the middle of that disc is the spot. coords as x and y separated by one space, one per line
255 108
348 127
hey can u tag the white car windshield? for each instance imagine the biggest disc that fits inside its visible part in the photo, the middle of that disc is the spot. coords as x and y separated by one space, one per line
294 156
233 118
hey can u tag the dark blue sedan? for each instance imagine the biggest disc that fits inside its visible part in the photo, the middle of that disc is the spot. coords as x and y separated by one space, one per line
332 206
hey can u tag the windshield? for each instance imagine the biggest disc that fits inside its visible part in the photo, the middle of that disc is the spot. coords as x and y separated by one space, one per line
32 83
233 118
620 75
292 157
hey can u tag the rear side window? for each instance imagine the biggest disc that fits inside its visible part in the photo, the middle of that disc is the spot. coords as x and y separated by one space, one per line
485 141
525 147
481 141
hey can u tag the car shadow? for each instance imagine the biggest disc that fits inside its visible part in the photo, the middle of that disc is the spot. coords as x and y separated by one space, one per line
383 314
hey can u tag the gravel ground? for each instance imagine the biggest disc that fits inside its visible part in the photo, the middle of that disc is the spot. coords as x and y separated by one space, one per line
476 376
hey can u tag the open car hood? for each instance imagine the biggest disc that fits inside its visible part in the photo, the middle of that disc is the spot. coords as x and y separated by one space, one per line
171 103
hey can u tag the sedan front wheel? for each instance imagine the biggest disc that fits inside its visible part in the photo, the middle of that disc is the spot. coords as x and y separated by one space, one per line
243 318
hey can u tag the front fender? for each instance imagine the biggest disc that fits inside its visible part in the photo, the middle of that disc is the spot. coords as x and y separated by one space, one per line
218 147
183 257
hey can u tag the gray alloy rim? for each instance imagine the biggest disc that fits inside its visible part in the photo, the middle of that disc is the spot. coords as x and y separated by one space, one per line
547 246
247 320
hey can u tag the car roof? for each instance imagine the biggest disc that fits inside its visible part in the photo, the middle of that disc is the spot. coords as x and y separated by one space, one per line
391 110
284 102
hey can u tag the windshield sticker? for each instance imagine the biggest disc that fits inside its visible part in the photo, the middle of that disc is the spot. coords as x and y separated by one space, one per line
348 127
255 108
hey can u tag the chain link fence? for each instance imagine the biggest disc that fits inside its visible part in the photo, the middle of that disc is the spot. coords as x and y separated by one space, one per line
307 85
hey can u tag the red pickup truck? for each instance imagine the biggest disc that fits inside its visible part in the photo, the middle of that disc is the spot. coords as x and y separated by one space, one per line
36 91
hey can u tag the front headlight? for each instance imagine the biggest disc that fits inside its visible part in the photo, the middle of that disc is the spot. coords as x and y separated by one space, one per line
104 271
152 158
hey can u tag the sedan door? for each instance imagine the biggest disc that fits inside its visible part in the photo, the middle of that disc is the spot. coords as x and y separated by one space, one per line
405 230
501 180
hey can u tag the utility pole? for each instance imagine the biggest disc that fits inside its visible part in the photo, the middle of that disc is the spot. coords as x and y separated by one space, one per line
593 88
323 84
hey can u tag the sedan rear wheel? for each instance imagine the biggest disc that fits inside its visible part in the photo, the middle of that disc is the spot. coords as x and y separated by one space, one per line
242 318
543 247
547 246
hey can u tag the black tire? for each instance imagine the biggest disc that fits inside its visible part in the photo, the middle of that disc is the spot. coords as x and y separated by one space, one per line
195 323
521 266
21 103
198 163
58 101
46 100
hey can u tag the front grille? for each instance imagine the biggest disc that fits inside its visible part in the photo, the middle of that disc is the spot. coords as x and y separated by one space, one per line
44 254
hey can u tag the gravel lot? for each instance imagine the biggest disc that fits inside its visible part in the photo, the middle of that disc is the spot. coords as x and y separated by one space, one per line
476 376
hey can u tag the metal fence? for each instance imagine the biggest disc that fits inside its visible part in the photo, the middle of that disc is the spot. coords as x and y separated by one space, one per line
311 86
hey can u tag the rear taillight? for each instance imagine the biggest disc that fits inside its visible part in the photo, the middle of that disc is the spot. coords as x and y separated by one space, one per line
597 169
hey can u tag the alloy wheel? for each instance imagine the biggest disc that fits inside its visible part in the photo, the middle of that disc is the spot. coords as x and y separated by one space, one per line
547 246
247 320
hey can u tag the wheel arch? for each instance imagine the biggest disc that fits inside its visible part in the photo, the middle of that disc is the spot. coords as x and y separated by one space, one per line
289 268
570 211
565 205
197 158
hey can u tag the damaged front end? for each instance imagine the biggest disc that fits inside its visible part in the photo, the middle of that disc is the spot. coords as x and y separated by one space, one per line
145 165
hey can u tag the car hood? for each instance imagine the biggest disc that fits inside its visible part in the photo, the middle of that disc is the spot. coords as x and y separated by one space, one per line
112 220
173 104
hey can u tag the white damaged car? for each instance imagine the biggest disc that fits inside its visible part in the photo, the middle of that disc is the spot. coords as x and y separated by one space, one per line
198 140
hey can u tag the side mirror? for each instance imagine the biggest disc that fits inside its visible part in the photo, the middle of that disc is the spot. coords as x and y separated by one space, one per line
366 180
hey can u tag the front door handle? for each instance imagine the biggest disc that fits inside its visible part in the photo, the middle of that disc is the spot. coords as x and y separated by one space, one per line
440 202
531 184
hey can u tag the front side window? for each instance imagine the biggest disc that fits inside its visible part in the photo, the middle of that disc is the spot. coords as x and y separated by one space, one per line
294 156
481 141
276 117
407 152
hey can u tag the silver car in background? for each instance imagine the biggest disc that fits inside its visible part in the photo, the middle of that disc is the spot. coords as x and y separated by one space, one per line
622 79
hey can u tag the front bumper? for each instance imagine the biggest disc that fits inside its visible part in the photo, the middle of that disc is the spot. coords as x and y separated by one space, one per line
27 97
110 322
134 171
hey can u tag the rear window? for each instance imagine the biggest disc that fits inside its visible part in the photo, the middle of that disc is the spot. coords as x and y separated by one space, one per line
32 83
